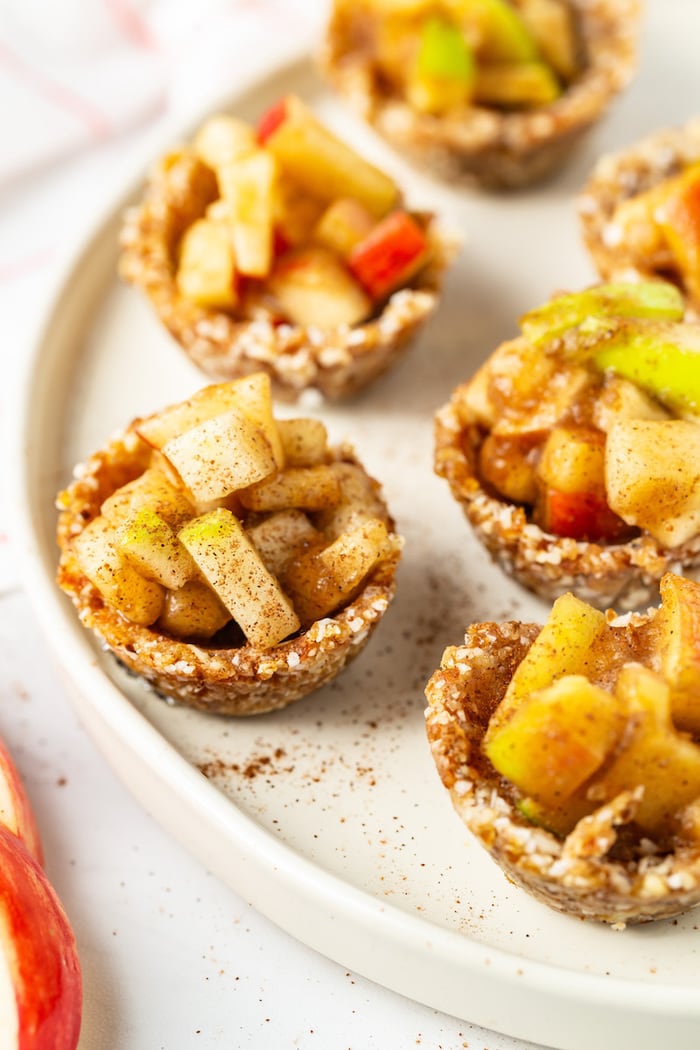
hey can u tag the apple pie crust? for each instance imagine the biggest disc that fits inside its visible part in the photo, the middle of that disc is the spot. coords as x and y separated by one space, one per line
624 575
492 147
620 176
336 363
244 680
596 872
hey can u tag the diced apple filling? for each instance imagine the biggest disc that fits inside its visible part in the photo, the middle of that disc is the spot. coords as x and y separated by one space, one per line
235 517
304 230
661 227
585 728
444 57
580 416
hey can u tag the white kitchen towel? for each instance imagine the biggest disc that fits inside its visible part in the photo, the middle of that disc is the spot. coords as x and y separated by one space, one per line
80 71
75 73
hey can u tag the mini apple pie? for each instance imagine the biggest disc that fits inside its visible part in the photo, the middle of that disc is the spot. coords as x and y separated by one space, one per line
280 248
640 211
232 559
572 752
575 449
496 91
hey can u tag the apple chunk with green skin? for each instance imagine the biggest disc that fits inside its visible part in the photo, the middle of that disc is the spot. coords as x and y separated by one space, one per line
557 738
15 810
40 976
678 646
563 647
504 33
652 477
588 311
443 74
326 167
661 358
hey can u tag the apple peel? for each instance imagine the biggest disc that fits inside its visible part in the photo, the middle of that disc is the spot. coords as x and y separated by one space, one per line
15 810
40 976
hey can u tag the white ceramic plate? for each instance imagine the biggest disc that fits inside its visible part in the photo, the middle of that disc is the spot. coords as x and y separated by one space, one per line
329 816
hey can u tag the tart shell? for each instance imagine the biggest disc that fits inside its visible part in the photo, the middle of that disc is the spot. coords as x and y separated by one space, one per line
578 874
493 148
337 363
231 681
619 176
624 575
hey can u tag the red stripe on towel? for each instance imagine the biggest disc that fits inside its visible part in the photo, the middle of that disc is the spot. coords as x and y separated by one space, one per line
53 91
132 25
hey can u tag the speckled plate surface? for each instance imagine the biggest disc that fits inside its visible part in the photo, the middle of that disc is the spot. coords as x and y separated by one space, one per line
329 816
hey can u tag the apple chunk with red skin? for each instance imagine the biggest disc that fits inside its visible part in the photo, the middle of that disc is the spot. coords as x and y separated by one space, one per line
40 978
15 810
390 255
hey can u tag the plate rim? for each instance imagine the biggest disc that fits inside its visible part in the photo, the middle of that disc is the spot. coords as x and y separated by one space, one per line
491 968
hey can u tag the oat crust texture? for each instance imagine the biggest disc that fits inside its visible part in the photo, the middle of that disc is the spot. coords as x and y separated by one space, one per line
231 681
579 875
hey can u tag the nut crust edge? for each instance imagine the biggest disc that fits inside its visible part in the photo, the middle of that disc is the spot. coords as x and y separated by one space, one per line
575 875
624 575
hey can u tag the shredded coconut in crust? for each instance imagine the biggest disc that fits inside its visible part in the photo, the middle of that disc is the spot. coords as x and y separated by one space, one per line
492 147
578 874
239 681
624 575
335 362
619 176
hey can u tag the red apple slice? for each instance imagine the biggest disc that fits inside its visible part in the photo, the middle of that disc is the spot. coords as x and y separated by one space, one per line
390 255
40 978
580 516
15 810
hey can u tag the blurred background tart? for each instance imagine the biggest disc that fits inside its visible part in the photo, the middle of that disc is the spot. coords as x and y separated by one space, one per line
495 91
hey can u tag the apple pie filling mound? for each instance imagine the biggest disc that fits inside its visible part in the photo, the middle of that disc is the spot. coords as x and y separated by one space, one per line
279 247
574 451
235 561
572 752
493 91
